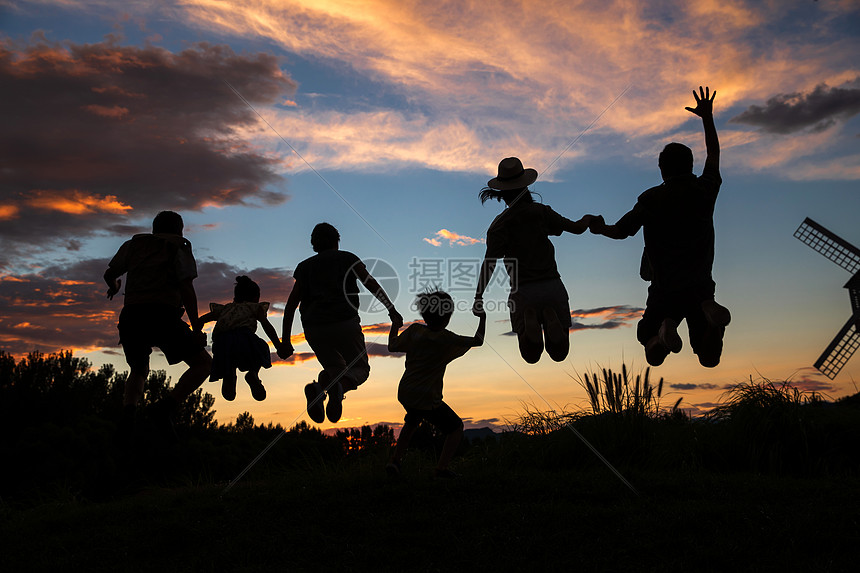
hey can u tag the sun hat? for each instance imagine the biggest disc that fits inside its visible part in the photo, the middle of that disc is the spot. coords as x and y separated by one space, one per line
512 175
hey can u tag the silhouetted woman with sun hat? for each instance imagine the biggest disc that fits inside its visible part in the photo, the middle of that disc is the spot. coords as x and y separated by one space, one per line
538 301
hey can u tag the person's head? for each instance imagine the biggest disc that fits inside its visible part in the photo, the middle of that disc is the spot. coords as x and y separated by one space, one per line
246 290
511 183
324 237
435 308
675 159
168 222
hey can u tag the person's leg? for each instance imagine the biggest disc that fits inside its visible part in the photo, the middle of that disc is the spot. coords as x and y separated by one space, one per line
530 337
258 391
228 385
199 366
406 433
706 339
133 391
452 440
647 333
557 336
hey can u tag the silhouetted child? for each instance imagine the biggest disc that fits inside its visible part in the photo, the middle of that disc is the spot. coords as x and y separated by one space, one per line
538 301
429 348
160 269
678 221
235 344
326 287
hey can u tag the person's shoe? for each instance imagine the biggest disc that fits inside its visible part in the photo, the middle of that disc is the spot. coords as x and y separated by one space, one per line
392 468
655 351
228 389
257 389
334 408
716 314
445 474
668 335
314 395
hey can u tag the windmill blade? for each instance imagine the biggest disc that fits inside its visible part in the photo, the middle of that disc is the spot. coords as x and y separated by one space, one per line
829 244
840 349
853 287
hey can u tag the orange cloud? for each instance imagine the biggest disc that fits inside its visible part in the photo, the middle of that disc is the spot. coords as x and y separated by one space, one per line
452 238
8 212
75 202
551 75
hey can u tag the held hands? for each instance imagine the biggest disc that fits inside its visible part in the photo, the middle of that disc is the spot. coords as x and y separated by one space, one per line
396 319
285 349
597 224
704 103
114 288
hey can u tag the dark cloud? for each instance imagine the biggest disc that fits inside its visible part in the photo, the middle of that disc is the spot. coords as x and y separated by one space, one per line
377 349
95 134
817 110
64 306
686 387
601 318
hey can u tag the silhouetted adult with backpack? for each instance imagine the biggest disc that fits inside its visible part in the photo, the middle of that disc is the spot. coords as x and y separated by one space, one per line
159 289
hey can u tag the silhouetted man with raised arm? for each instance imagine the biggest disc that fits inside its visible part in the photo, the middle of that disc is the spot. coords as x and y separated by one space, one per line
678 221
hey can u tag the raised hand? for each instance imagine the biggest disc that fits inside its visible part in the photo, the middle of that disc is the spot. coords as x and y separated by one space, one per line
704 102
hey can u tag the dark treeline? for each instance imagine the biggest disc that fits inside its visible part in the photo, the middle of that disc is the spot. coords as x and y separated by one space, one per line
58 418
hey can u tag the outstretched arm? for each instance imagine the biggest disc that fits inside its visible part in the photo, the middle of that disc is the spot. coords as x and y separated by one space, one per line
705 109
286 347
599 227
396 324
482 329
487 268
370 283
269 330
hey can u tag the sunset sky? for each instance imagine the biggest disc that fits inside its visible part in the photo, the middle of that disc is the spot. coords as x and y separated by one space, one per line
113 111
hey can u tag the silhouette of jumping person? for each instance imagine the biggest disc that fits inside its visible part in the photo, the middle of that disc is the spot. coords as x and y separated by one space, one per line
326 293
160 269
429 349
235 343
538 301
677 218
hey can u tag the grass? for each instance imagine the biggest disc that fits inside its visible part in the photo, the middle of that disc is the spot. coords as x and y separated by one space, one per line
524 519
768 481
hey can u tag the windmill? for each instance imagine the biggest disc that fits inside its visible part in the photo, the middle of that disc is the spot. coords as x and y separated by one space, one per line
847 256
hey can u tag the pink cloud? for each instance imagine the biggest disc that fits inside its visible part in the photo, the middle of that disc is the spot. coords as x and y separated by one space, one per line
452 238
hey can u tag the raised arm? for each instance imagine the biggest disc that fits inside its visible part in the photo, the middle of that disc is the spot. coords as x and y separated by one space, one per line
705 109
